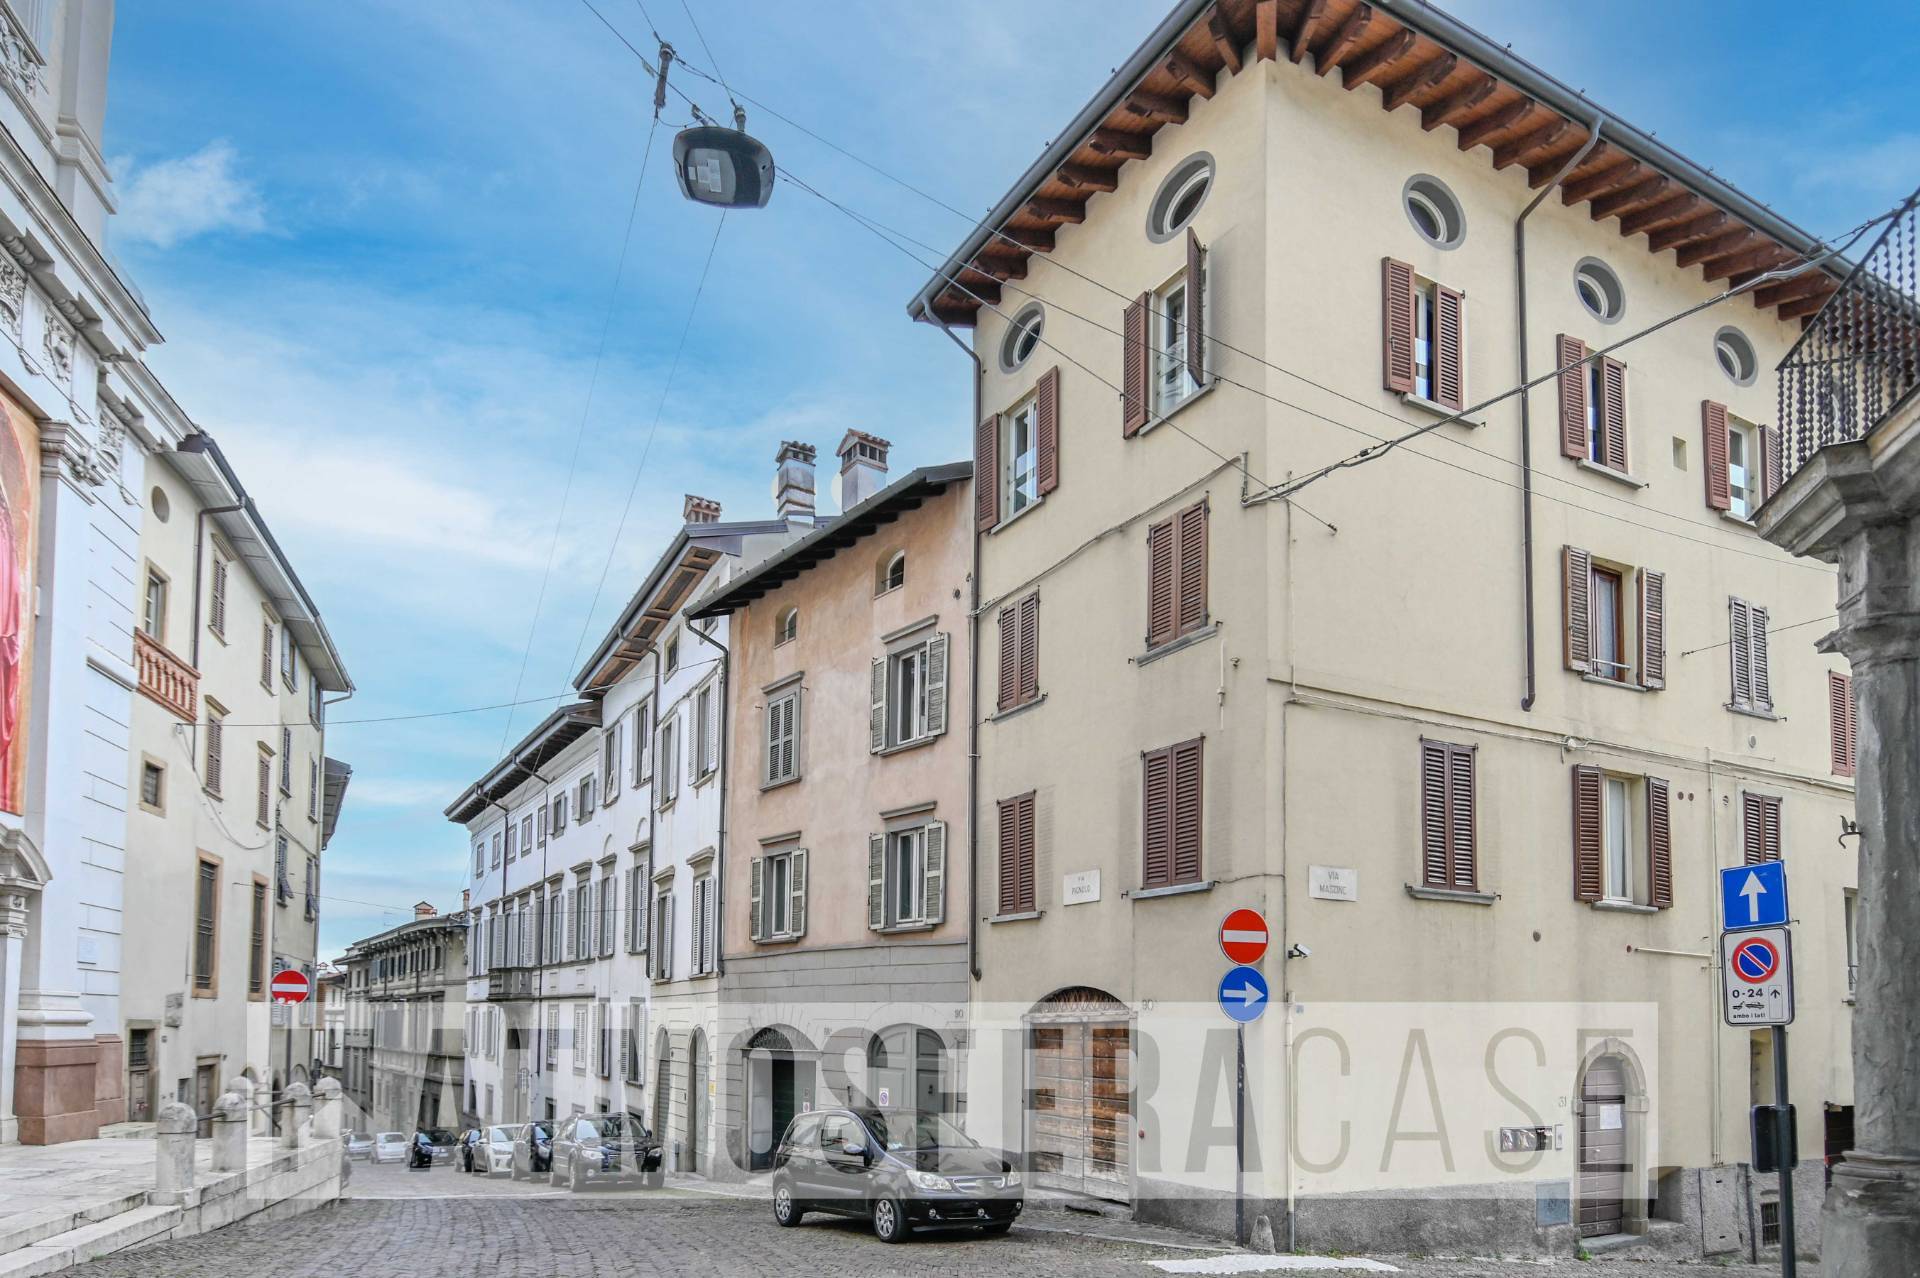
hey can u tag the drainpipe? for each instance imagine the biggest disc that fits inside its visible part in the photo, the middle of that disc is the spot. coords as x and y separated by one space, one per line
1526 399
724 713
973 697
199 539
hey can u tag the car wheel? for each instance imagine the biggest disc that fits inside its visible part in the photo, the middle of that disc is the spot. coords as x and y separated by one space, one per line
998 1229
889 1220
653 1180
574 1182
786 1209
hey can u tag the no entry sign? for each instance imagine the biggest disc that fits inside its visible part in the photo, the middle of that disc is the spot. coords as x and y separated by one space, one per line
291 986
1243 936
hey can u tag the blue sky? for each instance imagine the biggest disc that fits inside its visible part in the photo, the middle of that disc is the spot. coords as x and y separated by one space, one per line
381 241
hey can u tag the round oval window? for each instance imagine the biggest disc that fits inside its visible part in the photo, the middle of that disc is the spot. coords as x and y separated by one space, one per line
1023 337
1736 356
160 505
1434 212
1180 197
1599 290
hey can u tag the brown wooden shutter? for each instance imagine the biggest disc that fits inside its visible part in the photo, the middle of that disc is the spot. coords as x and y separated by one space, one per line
1567 354
1187 783
1160 583
1009 856
1396 313
1024 895
1435 869
1460 816
1740 650
1588 883
1653 629
1191 569
1659 844
1009 692
1196 310
1760 827
1029 682
1156 819
986 472
1449 353
1576 593
1613 411
1047 427
1840 722
1769 461
1135 391
1757 642
1713 430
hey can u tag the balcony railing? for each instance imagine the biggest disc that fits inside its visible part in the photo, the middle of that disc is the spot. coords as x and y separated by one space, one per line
1859 360
509 983
164 677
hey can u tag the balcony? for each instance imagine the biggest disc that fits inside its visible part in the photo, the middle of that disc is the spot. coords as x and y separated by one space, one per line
164 677
509 984
1857 365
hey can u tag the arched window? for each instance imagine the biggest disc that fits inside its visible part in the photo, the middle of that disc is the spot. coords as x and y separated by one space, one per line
786 627
893 573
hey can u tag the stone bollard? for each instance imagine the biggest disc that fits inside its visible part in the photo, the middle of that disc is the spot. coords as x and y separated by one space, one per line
173 1144
293 1116
242 1086
326 1110
230 1133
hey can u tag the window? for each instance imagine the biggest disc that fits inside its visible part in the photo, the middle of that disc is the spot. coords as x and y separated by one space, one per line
637 908
606 909
1174 378
776 891
216 725
786 626
1424 343
906 876
507 850
581 1038
1849 907
1180 196
583 916
642 743
1759 827
584 809
1615 619
1449 851
706 732
893 573
556 923
286 761
1434 211
543 822
263 788
1177 576
1020 446
153 617
1023 337
1842 724
1599 290
909 688
206 929
1747 657
1593 405
266 654
1171 815
610 763
217 596
257 940
1743 468
495 859
667 768
312 893
1019 653
1736 357
313 789
559 810
153 786
479 858
662 951
158 502
703 947
1622 839
1017 855
289 664
526 834
673 654
632 1060
783 736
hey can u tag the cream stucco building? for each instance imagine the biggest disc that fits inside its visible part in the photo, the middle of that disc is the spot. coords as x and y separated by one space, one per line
1473 722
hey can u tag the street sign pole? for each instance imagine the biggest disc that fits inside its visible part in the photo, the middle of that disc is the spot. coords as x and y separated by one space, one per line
1239 1134
1243 940
1783 1115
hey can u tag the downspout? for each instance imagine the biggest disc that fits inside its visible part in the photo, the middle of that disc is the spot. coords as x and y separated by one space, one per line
973 696
1526 399
725 714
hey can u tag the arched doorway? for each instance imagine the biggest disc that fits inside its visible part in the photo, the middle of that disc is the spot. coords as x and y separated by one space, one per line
907 1068
779 1075
1609 1194
1080 1115
697 1103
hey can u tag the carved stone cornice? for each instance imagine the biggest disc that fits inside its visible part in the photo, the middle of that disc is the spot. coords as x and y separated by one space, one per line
22 871
13 295
66 454
57 341
20 62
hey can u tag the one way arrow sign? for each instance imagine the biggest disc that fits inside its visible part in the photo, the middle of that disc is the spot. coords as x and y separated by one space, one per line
1243 994
1753 896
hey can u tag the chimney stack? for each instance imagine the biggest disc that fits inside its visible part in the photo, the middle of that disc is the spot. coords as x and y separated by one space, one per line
701 510
863 467
424 910
466 899
793 482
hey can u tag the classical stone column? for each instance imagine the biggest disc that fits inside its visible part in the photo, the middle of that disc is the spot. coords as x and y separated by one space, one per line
1858 504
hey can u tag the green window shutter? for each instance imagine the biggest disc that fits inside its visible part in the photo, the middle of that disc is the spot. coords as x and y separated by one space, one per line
877 719
936 685
797 910
936 871
755 915
876 881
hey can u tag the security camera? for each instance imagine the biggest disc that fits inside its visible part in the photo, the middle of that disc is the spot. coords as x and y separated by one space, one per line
1297 950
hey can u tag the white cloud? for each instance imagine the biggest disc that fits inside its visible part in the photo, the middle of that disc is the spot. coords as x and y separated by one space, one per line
192 195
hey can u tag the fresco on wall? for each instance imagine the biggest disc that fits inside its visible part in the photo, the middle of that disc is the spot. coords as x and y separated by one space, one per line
19 517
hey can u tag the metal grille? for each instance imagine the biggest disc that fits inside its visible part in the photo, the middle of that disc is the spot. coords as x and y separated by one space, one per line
1859 359
1769 1224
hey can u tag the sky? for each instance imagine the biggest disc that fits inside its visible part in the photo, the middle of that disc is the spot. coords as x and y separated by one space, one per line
384 243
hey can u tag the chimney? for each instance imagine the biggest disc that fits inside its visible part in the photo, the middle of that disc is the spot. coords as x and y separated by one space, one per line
424 910
863 467
701 510
466 899
793 482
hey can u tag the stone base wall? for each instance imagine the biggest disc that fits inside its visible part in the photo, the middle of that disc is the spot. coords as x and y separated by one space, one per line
109 1080
55 1090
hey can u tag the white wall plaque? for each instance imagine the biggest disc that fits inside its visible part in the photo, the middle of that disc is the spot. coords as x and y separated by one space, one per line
1333 882
1080 887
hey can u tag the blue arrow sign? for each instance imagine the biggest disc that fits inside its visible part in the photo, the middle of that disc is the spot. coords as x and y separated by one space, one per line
1753 896
1243 994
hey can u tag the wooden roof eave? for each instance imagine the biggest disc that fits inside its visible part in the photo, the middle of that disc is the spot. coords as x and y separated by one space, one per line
1490 97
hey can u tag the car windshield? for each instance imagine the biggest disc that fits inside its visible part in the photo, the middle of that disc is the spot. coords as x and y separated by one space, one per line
616 1126
392 1138
499 1136
437 1135
900 1130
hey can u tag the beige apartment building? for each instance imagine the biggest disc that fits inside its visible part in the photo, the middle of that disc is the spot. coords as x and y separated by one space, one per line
1473 722
408 1027
231 796
846 895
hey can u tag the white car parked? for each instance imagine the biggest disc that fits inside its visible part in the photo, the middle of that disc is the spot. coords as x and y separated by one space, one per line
390 1147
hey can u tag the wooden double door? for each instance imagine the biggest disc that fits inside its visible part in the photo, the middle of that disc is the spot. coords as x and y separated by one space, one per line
1080 1107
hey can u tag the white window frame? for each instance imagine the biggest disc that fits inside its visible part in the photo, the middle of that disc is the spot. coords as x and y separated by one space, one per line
581 1030
666 767
643 742
1172 384
906 872
1743 493
1616 838
610 762
705 707
776 920
1020 467
907 714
